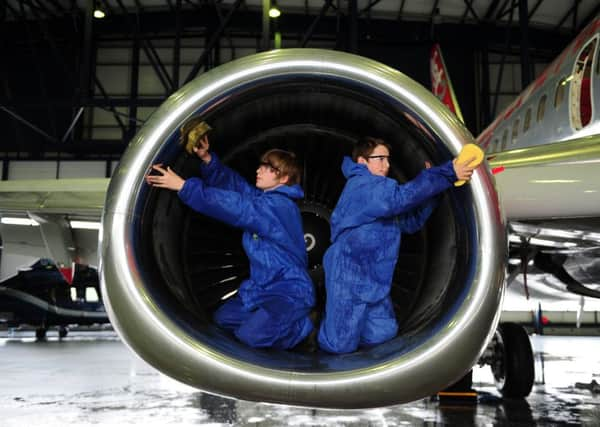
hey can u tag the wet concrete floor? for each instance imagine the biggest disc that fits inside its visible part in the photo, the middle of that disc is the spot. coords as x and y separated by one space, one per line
93 379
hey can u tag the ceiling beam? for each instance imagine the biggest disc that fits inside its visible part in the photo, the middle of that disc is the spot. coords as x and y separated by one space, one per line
469 8
535 8
401 10
585 21
566 16
490 10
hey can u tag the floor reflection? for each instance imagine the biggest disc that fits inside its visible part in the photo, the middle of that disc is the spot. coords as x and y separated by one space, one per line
490 411
86 381
219 409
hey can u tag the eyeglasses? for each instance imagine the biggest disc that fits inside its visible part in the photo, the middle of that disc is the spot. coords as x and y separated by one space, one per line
380 158
269 166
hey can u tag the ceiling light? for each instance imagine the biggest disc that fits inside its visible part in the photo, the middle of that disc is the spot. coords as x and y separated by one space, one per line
19 221
85 225
555 181
274 11
99 14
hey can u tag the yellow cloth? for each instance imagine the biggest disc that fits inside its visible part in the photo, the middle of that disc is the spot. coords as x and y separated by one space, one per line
467 152
191 133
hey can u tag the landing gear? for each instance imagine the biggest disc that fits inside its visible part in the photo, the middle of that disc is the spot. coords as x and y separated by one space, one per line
511 360
40 333
62 332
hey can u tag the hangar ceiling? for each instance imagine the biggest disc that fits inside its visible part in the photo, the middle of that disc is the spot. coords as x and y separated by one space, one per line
79 87
564 14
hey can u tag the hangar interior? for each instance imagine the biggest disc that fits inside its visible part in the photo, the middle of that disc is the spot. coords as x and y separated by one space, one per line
85 75
100 78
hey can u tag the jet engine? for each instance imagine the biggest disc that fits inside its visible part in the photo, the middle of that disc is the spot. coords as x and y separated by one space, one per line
165 269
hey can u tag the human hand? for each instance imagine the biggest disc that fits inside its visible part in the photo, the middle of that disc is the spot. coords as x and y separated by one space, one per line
201 149
462 170
167 178
427 165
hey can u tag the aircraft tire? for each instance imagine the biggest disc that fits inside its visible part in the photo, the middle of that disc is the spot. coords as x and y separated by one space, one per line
63 331
40 333
514 371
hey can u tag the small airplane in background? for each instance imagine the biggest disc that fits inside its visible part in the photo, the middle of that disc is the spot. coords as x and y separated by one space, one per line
40 296
56 284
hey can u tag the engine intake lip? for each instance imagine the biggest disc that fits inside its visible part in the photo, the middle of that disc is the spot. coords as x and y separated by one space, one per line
447 352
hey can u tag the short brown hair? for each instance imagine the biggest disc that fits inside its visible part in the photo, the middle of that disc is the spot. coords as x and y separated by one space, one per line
286 164
366 145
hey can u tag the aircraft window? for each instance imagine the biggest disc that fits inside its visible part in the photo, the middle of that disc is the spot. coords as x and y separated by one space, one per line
91 295
580 96
541 108
515 131
560 92
504 140
527 120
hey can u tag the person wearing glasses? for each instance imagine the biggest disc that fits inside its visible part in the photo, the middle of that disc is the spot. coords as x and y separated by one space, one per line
366 226
271 308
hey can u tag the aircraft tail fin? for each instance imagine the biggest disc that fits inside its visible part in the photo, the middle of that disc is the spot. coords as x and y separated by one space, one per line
441 86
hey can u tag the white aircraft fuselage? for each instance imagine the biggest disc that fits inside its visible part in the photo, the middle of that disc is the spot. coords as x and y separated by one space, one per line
548 139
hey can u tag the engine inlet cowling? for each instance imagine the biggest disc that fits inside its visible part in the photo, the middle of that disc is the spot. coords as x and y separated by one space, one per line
165 269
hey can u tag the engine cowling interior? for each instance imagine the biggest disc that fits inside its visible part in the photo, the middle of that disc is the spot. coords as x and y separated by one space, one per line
199 260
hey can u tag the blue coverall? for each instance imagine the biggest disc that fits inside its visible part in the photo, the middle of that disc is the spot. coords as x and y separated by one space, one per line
271 308
366 227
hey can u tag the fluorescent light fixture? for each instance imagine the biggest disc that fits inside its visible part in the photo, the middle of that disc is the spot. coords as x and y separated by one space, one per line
85 225
536 241
591 236
554 181
19 221
99 14
564 234
513 238
551 243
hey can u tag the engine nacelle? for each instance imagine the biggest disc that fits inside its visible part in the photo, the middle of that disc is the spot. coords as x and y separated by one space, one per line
164 269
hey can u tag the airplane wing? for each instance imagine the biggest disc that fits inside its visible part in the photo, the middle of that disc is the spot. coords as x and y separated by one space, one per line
55 219
83 197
